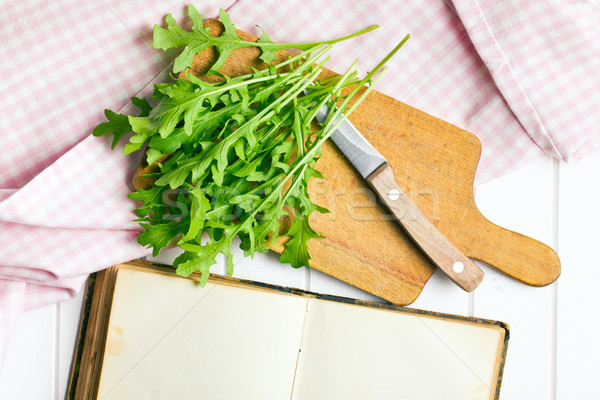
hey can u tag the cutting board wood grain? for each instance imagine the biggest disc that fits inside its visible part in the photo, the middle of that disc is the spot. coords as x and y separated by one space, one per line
435 163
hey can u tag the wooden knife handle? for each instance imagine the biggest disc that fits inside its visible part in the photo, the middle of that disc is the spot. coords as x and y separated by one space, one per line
436 246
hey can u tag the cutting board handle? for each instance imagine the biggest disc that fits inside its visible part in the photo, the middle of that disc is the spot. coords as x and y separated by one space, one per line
519 256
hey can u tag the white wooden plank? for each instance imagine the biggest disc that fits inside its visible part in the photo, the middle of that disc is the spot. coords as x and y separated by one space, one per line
442 295
265 267
521 201
322 283
166 256
69 318
578 296
30 365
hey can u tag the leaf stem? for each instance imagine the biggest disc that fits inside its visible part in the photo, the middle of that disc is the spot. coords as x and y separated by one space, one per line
306 44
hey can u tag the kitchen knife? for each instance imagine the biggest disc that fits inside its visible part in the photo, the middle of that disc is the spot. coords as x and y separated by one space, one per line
373 167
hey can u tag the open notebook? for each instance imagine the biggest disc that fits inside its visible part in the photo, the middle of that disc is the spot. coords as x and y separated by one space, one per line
153 335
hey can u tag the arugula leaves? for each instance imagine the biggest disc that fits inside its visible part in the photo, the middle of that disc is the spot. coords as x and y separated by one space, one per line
236 155
200 39
118 124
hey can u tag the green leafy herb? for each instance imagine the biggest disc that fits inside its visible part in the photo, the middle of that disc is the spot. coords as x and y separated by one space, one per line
200 39
236 155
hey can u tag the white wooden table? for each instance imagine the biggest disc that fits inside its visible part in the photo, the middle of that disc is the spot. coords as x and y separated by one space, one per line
553 353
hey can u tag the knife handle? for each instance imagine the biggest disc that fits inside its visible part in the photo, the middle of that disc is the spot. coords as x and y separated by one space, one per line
436 246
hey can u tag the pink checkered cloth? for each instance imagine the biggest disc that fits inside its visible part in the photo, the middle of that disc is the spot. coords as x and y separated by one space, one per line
522 76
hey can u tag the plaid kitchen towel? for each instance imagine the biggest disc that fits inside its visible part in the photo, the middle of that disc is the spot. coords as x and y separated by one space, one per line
522 77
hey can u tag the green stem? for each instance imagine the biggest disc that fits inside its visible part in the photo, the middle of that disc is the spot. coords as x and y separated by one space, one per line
303 45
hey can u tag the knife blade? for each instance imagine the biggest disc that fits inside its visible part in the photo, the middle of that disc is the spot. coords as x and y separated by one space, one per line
374 168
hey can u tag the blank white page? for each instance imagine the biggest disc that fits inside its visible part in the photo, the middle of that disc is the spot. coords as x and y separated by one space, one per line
169 339
352 352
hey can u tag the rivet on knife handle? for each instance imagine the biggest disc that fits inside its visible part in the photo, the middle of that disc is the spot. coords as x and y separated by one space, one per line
436 246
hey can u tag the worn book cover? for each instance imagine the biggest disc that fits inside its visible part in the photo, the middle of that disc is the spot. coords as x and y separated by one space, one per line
151 334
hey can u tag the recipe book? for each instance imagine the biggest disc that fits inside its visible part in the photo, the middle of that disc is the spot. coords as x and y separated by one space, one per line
151 334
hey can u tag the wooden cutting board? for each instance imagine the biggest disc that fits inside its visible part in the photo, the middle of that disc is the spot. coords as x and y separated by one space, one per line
435 164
